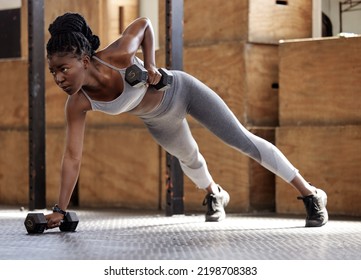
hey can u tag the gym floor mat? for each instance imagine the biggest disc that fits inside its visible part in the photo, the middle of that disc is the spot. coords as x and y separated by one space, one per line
109 234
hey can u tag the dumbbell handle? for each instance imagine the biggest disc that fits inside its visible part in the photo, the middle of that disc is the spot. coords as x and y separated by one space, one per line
166 80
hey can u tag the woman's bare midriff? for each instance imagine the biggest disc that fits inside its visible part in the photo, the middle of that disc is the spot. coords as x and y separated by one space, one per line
150 101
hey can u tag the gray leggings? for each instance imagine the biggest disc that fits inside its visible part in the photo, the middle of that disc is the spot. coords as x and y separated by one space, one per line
169 127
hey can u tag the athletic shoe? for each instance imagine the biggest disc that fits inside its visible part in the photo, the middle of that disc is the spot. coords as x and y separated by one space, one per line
215 205
316 210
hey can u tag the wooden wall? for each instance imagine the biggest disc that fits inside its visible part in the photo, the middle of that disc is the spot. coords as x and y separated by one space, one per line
13 132
320 120
14 170
329 158
233 48
320 87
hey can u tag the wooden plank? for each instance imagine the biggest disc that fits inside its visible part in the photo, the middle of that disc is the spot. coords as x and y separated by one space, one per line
14 86
55 99
250 186
14 170
261 79
269 22
120 168
255 21
55 140
222 68
209 22
243 75
320 82
328 157
87 8
112 19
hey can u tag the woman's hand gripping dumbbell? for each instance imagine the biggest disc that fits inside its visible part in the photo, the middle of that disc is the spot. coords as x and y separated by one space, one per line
137 76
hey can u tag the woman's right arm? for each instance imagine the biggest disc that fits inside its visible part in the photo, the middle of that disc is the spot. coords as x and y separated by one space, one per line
139 34
74 137
71 161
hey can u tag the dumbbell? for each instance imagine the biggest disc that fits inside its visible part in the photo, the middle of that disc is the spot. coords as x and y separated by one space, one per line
37 223
137 76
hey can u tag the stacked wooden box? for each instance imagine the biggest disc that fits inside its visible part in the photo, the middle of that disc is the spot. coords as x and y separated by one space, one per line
14 132
233 48
320 120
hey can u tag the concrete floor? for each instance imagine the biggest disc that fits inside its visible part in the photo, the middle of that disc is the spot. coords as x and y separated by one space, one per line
133 235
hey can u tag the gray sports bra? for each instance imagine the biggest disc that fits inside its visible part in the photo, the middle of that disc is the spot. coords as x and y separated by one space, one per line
126 101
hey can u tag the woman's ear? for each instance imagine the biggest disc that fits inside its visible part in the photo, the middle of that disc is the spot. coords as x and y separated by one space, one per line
86 61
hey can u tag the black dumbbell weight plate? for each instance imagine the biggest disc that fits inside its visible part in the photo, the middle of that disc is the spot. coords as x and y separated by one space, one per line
70 222
35 223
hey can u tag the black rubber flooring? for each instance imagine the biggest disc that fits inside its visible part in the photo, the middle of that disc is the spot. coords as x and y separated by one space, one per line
133 235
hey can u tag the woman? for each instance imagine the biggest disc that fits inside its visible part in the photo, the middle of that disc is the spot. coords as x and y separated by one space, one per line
95 81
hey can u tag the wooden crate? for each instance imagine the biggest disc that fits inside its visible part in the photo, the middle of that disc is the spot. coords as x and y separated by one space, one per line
269 21
208 22
14 165
90 9
55 99
250 186
320 82
110 176
261 92
329 158
95 12
14 169
14 89
243 75
55 140
120 168
112 21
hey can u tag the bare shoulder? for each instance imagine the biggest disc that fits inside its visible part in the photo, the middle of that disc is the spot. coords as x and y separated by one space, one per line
77 105
122 51
116 55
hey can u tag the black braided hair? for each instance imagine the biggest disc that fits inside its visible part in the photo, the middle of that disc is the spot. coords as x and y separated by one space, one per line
71 34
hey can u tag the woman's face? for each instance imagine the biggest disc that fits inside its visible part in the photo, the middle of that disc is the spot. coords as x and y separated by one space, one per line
68 71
